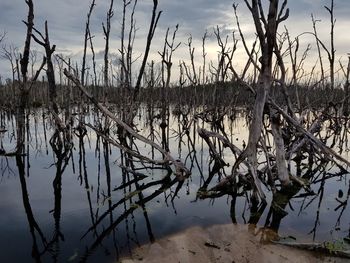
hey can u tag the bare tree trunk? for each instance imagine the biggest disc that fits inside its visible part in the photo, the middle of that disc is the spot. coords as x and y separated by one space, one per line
123 73
204 55
152 28
30 24
93 60
106 31
283 174
168 50
314 21
23 100
50 73
346 72
267 40
331 54
87 36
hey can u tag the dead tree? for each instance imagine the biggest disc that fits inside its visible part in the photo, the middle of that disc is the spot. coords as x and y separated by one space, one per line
329 50
204 56
331 53
346 71
314 22
62 136
123 72
151 31
249 52
86 38
44 41
191 72
93 59
33 59
8 53
225 53
130 47
296 64
266 30
26 51
23 98
50 72
106 31
166 56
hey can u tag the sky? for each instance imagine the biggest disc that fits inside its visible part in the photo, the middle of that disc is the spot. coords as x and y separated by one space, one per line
66 20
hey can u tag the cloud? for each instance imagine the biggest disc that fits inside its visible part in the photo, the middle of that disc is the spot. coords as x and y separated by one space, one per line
66 19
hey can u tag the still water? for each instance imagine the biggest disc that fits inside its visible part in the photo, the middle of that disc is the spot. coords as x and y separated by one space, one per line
88 207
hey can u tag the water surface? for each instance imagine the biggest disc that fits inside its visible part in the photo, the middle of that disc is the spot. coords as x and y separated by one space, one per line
87 208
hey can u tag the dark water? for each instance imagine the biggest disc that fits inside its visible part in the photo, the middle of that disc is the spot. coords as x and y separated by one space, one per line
78 216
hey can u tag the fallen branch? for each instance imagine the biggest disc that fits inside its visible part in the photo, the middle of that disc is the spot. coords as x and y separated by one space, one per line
181 172
326 150
125 149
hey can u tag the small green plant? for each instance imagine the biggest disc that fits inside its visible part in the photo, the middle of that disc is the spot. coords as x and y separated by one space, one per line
334 246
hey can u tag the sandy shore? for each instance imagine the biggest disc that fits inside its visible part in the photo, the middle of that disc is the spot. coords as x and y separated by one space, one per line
223 243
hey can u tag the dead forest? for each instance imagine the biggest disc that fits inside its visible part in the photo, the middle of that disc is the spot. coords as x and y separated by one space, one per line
296 118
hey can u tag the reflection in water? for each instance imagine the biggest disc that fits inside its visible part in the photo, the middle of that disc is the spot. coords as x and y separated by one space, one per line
61 146
106 201
33 225
20 162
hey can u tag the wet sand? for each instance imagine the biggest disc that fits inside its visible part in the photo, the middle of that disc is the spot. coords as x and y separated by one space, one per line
224 244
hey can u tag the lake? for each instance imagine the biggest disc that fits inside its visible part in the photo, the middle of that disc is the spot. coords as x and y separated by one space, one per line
88 205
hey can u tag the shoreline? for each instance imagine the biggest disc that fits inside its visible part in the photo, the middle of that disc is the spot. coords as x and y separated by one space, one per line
223 243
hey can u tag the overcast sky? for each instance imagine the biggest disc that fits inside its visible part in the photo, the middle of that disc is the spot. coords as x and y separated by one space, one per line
66 19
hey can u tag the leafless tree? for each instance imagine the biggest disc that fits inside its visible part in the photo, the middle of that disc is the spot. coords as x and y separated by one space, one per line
191 71
266 29
204 56
126 49
314 22
329 50
130 47
346 71
107 31
296 63
44 41
122 50
151 31
26 51
87 37
225 55
166 56
33 59
9 53
93 59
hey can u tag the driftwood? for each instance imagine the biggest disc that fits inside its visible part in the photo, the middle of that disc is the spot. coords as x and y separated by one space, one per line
181 172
